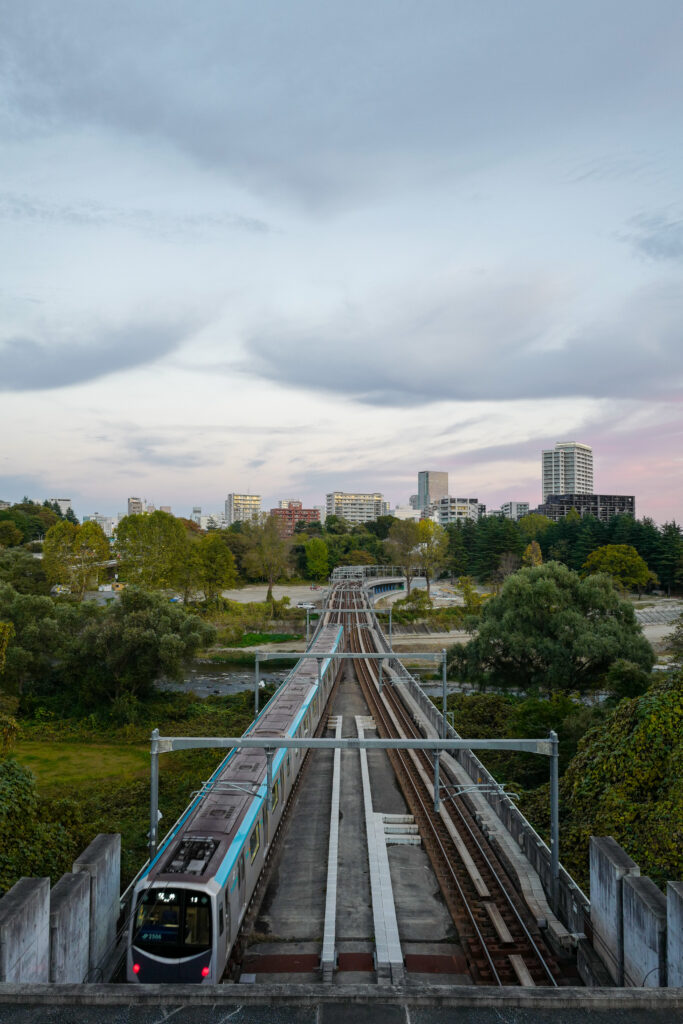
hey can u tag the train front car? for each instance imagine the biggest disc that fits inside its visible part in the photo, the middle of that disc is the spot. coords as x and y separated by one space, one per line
173 936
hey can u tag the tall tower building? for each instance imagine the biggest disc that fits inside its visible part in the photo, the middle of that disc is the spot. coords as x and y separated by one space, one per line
242 508
567 469
431 487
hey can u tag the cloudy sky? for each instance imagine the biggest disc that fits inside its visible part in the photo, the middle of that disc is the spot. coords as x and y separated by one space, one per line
290 247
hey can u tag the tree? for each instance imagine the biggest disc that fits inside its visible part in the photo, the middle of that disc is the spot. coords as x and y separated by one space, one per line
72 554
24 572
217 566
266 554
432 548
10 535
404 537
532 554
151 549
534 525
380 526
549 630
317 558
670 560
622 562
6 634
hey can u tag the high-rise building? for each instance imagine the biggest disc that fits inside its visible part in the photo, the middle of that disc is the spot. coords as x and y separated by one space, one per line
450 510
288 517
242 508
406 512
567 469
105 522
135 506
356 508
602 506
515 509
64 504
431 486
289 503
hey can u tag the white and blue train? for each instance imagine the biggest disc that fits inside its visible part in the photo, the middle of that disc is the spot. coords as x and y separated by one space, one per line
190 901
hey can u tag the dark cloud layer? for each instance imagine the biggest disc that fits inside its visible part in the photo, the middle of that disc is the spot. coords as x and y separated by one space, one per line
328 101
658 236
39 363
486 345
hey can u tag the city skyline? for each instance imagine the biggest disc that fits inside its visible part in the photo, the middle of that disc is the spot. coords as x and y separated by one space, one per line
230 264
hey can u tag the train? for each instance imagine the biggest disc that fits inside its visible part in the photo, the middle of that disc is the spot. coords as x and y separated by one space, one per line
190 901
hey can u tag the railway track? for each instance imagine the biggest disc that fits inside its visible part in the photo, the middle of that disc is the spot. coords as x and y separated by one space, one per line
501 942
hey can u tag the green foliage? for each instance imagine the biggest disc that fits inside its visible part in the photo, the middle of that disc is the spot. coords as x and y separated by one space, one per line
216 565
10 535
317 558
23 572
151 549
266 553
622 562
73 554
627 781
432 549
674 640
532 554
550 630
403 539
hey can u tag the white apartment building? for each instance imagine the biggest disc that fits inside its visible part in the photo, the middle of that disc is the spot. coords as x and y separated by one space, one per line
450 510
356 508
64 504
242 508
107 523
216 521
567 469
406 512
515 509
136 506
290 503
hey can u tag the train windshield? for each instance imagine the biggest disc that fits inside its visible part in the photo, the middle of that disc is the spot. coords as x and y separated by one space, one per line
173 923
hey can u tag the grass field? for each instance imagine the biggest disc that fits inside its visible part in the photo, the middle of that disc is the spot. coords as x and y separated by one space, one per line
59 765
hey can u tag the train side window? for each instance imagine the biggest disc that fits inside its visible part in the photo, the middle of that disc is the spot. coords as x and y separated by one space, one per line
255 840
275 796
221 924
240 872
287 765
227 902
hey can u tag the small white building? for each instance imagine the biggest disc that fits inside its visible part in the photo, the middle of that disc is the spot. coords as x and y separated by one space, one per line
451 510
515 509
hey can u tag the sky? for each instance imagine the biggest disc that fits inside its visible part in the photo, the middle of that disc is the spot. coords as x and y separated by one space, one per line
289 248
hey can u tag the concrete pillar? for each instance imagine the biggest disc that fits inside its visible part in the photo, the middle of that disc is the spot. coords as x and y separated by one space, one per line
674 929
25 932
609 864
644 910
70 929
102 862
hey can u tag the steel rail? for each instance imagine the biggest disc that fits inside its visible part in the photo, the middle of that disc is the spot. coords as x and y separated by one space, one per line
426 816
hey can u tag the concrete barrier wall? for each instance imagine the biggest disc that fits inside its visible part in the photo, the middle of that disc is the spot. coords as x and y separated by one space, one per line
609 865
25 932
674 933
644 928
70 929
102 863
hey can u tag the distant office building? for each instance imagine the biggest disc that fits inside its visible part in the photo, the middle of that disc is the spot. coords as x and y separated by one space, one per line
414 501
482 509
431 486
405 512
4 505
288 517
64 504
165 508
356 508
215 521
135 506
289 503
602 506
242 508
149 509
107 523
567 469
451 510
322 511
196 516
515 509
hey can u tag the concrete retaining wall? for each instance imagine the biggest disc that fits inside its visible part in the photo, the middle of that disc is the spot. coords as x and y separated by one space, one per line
644 909
25 932
70 929
609 865
674 932
102 863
